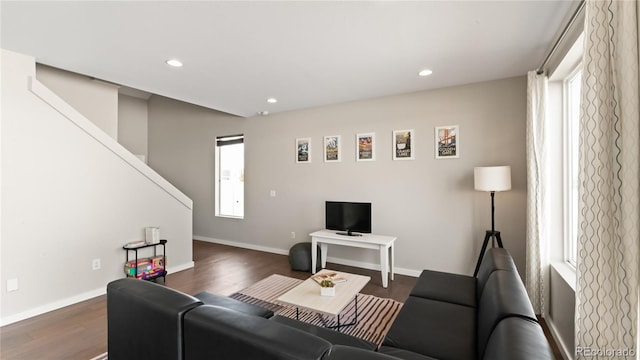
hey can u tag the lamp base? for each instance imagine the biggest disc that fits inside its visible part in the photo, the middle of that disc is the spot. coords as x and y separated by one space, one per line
490 234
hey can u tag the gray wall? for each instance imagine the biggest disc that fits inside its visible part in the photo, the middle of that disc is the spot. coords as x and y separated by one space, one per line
132 124
95 99
429 204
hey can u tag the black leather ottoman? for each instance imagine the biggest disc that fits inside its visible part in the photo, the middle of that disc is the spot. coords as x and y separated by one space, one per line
229 303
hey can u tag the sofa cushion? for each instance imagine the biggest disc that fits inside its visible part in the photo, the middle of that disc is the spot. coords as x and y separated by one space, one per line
518 339
225 301
216 332
494 259
453 288
504 296
402 353
434 328
332 336
144 320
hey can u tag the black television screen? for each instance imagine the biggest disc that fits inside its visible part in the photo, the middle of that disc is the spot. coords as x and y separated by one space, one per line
352 217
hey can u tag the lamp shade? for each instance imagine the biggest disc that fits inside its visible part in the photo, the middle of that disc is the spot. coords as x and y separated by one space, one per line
492 178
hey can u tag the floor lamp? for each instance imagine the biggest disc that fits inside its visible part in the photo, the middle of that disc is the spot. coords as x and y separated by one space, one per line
491 179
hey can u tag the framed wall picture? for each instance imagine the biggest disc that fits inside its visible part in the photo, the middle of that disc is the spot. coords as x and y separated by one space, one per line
403 145
303 150
447 142
366 147
332 147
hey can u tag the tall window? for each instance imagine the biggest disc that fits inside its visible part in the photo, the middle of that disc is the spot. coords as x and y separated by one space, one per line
572 85
229 187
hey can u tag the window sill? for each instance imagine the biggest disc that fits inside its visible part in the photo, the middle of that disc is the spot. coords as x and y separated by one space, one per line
230 217
567 272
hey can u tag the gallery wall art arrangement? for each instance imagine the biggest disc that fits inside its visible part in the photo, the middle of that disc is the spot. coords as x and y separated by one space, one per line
446 144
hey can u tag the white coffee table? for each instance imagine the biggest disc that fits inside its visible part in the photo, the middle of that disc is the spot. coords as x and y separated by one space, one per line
307 296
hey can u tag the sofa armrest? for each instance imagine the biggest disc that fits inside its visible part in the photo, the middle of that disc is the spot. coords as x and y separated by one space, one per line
144 320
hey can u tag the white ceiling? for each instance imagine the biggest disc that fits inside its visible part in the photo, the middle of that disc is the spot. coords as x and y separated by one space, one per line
236 54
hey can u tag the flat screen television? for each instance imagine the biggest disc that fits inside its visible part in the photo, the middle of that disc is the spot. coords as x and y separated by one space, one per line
350 218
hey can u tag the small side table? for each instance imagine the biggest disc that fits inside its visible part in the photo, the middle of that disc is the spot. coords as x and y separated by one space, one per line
162 274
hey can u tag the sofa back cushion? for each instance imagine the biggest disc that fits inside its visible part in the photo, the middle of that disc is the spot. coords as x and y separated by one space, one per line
494 259
448 287
517 338
144 320
504 296
213 332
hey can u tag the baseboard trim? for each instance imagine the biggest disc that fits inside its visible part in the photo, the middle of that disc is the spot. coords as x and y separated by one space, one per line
372 266
74 299
52 306
566 354
341 261
181 267
242 245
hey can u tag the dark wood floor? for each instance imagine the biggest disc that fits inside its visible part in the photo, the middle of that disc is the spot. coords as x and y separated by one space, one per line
79 331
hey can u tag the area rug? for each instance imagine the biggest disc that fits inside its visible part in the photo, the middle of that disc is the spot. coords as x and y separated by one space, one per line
375 315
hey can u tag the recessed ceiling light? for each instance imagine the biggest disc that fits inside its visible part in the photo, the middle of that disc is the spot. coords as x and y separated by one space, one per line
272 100
425 72
174 62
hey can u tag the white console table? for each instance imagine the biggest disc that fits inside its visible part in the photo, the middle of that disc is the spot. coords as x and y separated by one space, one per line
382 243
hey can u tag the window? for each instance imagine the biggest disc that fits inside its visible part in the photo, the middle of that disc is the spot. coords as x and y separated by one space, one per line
229 186
572 85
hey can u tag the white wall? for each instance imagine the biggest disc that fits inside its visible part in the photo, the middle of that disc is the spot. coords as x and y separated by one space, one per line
95 99
71 194
429 204
132 124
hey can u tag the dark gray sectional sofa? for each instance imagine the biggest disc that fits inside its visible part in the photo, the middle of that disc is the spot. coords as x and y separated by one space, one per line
488 317
447 316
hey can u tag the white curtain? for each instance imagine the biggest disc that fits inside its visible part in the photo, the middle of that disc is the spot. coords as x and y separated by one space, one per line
609 232
537 259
